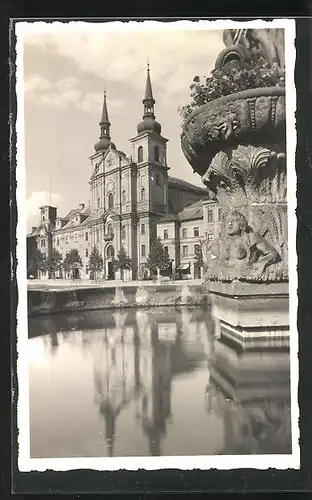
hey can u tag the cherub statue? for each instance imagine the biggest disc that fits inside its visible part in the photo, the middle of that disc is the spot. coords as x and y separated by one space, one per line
239 252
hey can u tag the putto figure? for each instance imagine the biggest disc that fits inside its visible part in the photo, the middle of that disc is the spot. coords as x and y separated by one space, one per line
239 252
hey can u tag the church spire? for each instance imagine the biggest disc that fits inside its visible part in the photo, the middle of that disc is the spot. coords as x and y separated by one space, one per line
104 143
148 100
149 123
105 123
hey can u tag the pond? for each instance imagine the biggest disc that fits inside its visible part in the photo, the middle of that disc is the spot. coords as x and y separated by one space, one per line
154 382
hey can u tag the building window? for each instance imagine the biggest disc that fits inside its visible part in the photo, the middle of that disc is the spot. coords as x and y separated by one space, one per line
43 218
196 231
140 154
196 249
143 251
165 234
184 233
123 232
166 250
157 180
98 202
97 236
142 194
66 239
210 236
87 270
110 252
43 243
184 250
156 153
210 215
110 201
142 228
87 252
57 241
110 230
124 196
87 236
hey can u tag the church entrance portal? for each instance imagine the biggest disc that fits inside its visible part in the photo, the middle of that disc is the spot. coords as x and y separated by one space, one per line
110 253
110 271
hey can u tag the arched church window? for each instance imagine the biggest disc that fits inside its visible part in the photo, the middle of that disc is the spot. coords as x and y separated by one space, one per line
124 196
156 153
142 194
140 154
110 200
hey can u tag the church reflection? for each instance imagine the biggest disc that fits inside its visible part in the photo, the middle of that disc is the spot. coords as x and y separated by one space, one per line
137 364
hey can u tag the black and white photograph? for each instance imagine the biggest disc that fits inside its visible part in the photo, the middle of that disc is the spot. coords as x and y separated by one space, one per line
156 245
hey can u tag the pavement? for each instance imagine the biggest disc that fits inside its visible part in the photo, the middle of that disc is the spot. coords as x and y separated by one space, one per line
69 284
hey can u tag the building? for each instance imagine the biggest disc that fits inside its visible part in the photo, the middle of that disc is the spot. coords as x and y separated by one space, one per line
182 233
132 199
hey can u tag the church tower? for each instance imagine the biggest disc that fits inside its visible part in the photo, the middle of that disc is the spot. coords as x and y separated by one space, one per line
149 152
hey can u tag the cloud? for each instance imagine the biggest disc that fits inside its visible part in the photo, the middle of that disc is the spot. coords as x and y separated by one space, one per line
121 54
39 198
63 93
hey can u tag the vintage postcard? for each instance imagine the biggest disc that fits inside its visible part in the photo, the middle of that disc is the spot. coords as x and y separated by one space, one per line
157 282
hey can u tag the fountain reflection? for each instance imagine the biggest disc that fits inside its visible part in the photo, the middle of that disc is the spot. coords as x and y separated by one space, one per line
250 391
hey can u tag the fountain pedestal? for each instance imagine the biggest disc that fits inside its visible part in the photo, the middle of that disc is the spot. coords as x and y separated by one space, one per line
252 316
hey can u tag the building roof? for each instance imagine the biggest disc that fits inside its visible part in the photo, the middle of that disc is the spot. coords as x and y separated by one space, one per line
175 181
169 218
192 212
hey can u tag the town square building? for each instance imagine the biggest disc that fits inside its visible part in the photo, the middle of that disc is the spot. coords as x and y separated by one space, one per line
132 200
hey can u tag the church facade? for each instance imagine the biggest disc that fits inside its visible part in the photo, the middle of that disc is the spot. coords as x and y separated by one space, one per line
131 197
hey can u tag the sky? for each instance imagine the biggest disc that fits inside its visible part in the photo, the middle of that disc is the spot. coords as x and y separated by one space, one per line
66 68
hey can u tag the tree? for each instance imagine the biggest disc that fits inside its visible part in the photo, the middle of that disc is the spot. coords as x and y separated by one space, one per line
198 256
36 264
72 261
158 259
122 262
54 263
255 73
95 263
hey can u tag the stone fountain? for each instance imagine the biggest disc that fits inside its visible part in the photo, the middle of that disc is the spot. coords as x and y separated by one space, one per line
141 296
120 299
237 144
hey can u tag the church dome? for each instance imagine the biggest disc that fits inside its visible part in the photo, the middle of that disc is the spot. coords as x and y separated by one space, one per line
103 144
149 124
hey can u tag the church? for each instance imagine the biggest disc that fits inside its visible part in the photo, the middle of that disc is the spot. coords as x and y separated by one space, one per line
132 199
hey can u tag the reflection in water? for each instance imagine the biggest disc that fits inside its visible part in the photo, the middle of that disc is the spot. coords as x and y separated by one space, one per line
162 384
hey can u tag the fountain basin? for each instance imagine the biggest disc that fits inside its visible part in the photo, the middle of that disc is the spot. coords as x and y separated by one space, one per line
254 116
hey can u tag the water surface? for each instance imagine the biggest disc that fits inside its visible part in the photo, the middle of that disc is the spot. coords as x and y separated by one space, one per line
151 382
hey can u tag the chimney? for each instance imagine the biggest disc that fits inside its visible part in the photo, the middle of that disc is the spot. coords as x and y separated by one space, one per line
81 206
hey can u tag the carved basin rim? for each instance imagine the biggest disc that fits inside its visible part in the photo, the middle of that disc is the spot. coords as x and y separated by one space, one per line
244 94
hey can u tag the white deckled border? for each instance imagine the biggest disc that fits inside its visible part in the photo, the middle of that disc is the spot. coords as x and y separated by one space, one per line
25 463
